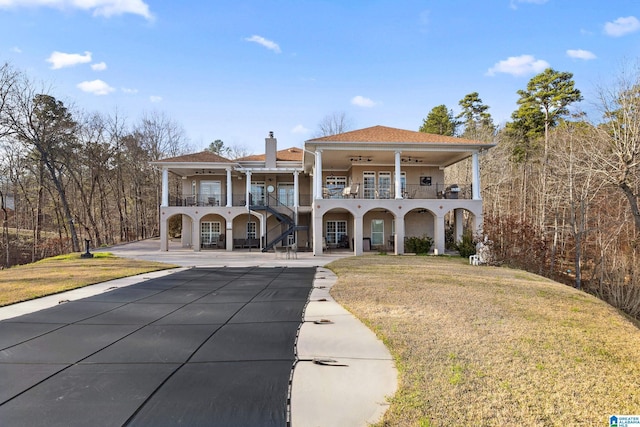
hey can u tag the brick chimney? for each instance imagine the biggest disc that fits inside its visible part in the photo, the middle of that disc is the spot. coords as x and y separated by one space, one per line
271 148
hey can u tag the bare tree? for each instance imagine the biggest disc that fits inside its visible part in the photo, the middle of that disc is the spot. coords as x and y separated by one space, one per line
47 127
333 124
616 143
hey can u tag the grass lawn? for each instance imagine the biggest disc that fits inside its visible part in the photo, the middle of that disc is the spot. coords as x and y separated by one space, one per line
488 346
64 272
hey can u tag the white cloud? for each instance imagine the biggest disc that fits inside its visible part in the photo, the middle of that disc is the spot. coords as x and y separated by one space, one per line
129 90
61 60
96 87
580 54
361 101
106 8
100 66
264 42
155 99
16 49
622 26
519 66
299 129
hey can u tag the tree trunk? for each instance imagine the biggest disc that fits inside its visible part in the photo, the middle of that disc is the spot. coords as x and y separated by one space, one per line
633 202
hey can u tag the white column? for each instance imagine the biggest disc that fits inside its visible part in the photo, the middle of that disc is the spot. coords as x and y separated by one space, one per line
398 184
296 192
165 187
248 189
229 189
317 233
398 244
164 232
357 235
438 241
459 224
318 176
195 234
475 176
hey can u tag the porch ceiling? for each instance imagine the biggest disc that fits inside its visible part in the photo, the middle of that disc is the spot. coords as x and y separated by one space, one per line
344 159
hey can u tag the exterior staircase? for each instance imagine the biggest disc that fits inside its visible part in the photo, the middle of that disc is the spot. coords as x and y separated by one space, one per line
286 218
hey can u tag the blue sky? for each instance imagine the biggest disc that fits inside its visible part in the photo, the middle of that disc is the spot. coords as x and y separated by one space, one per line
235 70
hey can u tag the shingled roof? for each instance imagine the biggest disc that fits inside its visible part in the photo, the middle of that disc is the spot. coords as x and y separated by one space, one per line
383 134
201 157
293 154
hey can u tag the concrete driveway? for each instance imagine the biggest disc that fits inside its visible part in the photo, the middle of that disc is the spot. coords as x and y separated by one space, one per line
238 339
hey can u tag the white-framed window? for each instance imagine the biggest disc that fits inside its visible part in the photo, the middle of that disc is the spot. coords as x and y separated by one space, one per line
210 193
258 193
403 183
369 185
384 185
334 186
209 232
377 232
251 230
285 194
334 231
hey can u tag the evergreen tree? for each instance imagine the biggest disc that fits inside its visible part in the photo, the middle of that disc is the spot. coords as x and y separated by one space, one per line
440 121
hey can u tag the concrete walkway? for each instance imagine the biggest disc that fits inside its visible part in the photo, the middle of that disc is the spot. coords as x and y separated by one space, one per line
344 374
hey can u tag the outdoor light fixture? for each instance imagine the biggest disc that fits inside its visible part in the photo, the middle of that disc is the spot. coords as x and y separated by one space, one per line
360 159
410 160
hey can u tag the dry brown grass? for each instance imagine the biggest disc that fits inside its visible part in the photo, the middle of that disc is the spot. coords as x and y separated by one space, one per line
487 346
58 274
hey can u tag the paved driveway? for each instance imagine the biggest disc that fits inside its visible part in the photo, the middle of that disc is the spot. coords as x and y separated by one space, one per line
204 346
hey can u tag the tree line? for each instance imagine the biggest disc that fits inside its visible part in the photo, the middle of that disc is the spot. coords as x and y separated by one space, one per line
68 175
561 189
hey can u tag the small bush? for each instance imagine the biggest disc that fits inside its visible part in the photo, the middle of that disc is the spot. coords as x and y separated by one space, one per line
418 245
466 247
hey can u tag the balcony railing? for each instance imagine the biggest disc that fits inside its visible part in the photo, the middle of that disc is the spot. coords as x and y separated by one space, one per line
411 191
221 200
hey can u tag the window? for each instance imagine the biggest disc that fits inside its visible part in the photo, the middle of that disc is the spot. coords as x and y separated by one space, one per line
285 194
209 232
210 193
251 230
384 185
377 232
369 185
257 193
335 185
335 230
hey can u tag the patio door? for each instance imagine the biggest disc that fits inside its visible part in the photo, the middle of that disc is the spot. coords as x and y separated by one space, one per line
210 193
384 185
377 232
209 232
369 185
257 193
285 194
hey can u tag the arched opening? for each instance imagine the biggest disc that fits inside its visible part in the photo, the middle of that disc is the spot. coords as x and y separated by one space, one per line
420 223
247 231
212 232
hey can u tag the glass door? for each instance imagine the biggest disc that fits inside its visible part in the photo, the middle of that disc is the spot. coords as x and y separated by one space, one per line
369 185
257 193
285 194
210 193
377 232
384 185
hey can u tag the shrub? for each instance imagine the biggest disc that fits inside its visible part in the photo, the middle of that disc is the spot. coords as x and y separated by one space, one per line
418 245
466 247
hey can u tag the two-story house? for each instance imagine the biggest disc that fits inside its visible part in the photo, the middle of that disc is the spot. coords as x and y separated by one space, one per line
362 190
